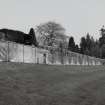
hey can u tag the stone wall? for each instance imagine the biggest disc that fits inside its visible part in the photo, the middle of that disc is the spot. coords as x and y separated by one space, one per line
13 52
73 59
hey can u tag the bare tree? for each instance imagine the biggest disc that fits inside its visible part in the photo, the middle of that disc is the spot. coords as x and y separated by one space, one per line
50 33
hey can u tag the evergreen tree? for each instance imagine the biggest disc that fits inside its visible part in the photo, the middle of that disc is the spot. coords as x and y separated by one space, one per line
83 45
102 42
32 33
102 38
71 45
103 51
77 48
88 42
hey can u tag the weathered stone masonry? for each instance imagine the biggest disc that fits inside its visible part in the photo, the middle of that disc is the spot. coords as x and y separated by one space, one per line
14 52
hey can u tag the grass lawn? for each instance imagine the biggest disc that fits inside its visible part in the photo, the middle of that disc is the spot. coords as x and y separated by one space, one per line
30 84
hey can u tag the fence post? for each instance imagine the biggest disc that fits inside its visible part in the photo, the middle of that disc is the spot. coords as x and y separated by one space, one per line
8 52
35 54
23 53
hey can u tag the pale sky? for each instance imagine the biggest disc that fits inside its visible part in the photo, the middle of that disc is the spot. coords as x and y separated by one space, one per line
77 16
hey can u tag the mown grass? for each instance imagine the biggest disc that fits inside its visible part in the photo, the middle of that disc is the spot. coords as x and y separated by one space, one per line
30 84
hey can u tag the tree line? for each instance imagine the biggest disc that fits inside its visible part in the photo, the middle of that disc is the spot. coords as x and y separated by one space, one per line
89 46
53 34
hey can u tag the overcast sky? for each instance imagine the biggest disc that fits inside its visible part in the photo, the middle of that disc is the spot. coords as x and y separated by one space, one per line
77 16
